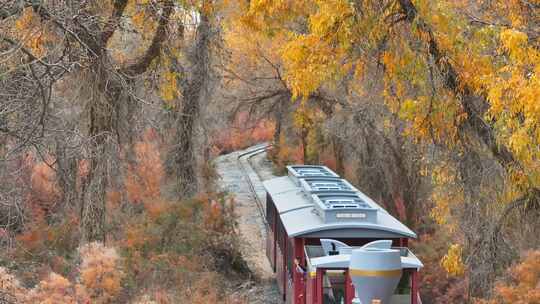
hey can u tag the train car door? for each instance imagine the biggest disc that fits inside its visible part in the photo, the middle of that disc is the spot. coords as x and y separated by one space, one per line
333 286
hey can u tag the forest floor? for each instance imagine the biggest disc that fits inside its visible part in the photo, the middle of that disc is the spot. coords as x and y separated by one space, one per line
262 289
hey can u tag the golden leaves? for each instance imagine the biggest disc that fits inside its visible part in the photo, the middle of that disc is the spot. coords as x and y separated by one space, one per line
33 34
311 58
142 16
169 86
515 43
323 40
272 15
446 195
308 63
452 261
331 18
513 93
317 57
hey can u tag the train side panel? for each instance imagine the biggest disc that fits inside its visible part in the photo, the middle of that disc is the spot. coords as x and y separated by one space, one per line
281 258
271 220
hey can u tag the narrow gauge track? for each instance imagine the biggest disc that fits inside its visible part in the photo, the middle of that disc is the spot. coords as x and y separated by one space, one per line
241 175
258 149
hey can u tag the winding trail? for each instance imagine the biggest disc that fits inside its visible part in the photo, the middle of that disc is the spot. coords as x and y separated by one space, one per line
250 221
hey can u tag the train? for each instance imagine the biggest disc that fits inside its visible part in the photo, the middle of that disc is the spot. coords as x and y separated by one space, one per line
319 228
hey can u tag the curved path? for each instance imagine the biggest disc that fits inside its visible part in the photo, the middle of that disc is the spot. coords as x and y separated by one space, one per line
241 174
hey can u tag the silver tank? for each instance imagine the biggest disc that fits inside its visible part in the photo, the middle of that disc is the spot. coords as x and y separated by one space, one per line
375 274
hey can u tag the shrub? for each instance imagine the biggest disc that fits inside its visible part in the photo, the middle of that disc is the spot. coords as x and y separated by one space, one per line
10 287
54 289
100 272
242 133
523 286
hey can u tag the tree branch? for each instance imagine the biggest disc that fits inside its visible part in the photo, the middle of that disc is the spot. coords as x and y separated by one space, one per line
114 20
452 81
155 47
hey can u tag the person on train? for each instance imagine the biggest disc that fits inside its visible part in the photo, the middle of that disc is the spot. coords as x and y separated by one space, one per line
299 268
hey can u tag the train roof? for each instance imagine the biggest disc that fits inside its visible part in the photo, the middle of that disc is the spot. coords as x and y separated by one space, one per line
309 212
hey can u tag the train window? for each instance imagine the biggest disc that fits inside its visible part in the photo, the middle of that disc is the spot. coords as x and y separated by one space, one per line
404 286
281 235
278 233
290 257
334 287
270 211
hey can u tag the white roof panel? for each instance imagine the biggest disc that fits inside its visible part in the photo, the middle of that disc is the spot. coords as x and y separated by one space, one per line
300 221
285 194
298 215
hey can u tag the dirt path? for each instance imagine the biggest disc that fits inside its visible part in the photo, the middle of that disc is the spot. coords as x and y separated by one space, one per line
250 222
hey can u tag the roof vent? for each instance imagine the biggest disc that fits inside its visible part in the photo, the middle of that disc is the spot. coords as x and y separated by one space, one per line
320 184
342 206
298 172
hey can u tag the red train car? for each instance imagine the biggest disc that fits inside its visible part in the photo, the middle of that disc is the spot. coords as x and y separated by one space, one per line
314 219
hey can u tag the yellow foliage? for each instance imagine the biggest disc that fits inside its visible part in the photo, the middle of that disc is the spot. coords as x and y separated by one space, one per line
445 195
169 86
308 62
452 262
139 19
33 34
514 42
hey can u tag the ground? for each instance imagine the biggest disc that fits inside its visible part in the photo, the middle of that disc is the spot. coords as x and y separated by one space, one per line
263 289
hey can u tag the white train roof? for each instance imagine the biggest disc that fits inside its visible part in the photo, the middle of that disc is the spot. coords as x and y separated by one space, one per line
302 216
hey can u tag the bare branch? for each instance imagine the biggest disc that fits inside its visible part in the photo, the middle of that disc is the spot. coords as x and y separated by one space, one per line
114 20
155 47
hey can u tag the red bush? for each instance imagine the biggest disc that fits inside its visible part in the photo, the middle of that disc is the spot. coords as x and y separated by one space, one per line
241 134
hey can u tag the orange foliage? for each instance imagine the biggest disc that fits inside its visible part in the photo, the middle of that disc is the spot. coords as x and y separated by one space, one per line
328 160
213 214
524 287
9 284
43 182
135 237
145 177
54 289
83 168
144 181
44 191
242 134
34 33
400 207
436 287
100 272
33 239
284 154
203 291
99 281
113 199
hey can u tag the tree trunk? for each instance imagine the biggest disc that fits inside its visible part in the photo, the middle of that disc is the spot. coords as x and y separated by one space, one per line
303 137
278 117
194 90
102 113
337 147
67 171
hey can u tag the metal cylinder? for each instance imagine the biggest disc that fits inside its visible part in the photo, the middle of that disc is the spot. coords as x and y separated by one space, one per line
375 274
